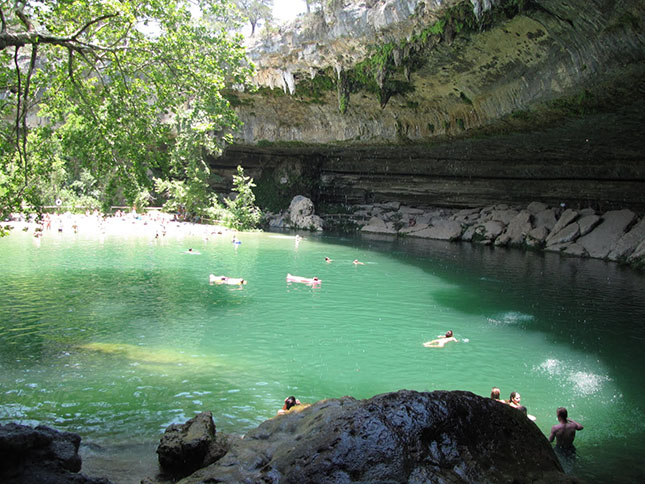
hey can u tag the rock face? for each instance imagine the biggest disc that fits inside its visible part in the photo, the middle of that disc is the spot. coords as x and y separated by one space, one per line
184 448
299 215
402 437
553 91
449 65
40 455
616 235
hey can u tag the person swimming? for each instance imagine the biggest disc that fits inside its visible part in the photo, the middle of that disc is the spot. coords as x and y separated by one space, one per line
289 403
441 341
230 281
304 280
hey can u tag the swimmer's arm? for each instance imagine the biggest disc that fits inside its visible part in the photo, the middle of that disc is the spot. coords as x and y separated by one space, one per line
552 436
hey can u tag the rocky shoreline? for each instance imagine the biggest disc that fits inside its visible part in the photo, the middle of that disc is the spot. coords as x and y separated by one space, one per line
399 437
616 235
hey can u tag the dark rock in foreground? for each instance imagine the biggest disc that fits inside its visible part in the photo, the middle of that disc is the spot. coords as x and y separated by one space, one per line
40 455
402 437
184 448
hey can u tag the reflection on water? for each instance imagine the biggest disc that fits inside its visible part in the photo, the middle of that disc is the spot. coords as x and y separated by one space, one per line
580 382
510 317
117 339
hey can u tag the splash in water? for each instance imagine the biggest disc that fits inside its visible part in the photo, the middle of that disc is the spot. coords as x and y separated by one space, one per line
582 381
510 317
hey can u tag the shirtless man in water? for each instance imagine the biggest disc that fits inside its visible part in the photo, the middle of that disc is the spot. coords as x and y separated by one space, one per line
565 431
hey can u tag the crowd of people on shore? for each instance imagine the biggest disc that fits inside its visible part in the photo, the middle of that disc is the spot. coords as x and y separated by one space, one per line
153 223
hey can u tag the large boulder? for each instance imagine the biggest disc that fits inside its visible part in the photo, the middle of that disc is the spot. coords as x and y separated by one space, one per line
567 234
587 223
488 231
565 219
401 437
184 448
545 218
379 226
516 230
40 455
637 259
628 243
301 214
440 230
600 241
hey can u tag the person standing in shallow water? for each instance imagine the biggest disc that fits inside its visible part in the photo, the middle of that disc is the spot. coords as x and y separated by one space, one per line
565 431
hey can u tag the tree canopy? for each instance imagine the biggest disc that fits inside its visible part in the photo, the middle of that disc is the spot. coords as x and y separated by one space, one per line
125 90
255 10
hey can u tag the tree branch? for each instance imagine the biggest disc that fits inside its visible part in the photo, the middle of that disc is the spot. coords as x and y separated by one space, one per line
19 10
21 39
30 73
18 102
90 23
3 22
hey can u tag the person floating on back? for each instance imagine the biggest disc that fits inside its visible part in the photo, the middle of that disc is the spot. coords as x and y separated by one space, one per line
565 431
441 341
305 280
230 281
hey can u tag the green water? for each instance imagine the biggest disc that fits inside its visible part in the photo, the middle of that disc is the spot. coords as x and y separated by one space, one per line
116 338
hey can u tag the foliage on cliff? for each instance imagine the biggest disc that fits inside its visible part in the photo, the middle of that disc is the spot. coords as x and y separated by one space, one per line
124 89
386 71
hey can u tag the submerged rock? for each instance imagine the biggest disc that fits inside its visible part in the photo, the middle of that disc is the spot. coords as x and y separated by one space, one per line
401 437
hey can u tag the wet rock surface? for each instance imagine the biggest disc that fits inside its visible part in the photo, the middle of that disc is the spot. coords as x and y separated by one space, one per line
41 455
184 448
401 437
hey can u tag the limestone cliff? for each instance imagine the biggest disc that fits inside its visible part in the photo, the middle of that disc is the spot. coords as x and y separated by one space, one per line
453 103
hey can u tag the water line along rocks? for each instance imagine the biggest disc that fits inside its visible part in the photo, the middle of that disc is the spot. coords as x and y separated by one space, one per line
616 235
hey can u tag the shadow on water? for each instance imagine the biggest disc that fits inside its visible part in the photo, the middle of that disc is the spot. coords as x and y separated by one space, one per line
589 305
571 299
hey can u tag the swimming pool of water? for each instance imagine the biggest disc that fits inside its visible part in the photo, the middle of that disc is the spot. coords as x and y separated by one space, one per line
116 338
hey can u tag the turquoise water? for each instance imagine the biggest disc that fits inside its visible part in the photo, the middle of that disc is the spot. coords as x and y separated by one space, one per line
116 338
